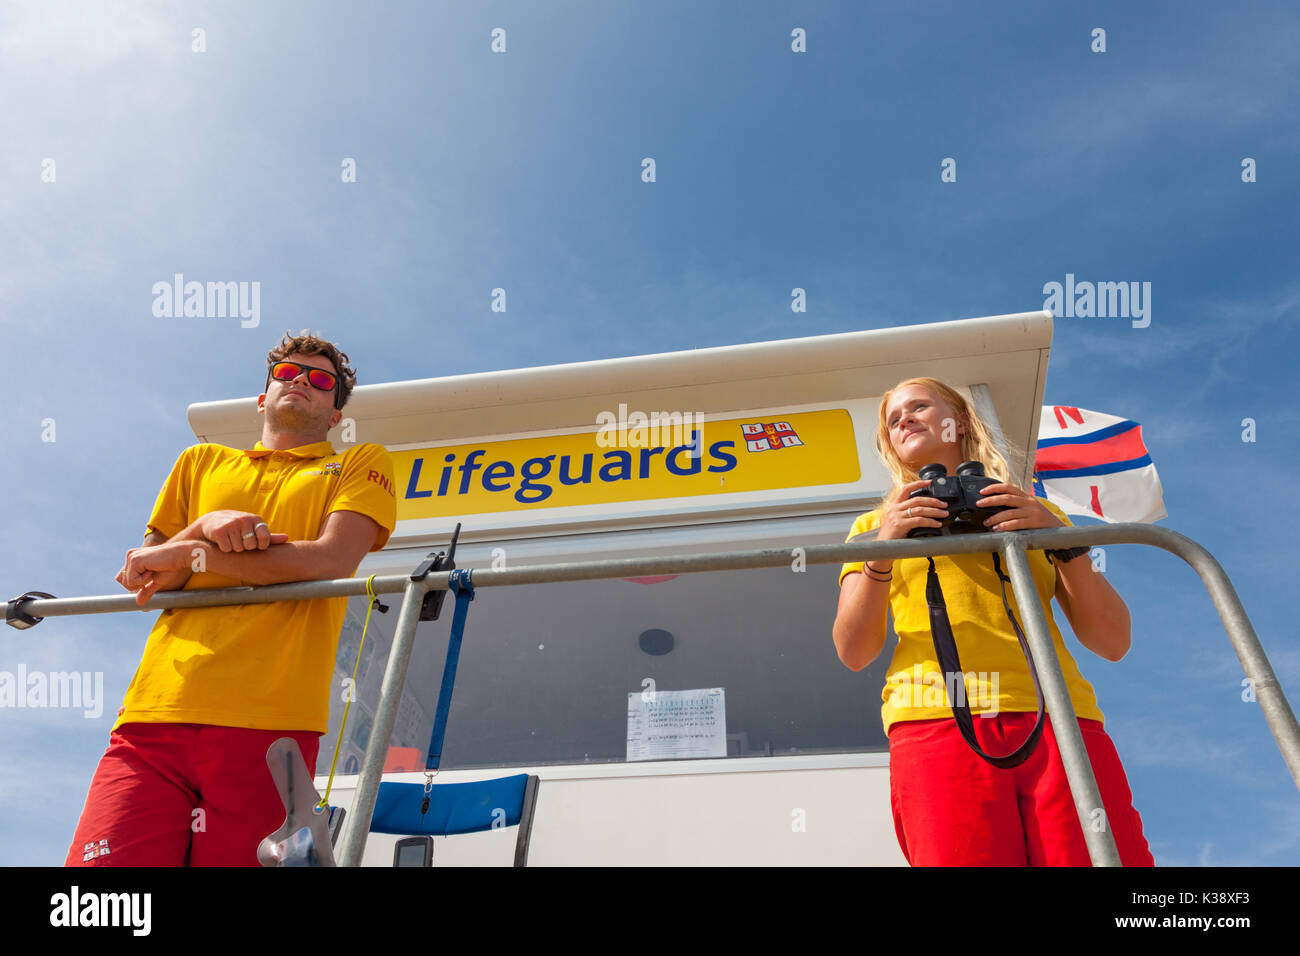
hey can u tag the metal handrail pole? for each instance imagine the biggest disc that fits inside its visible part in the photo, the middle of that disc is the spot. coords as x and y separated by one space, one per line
1268 691
372 766
761 558
1065 724
1277 711
215 597
609 568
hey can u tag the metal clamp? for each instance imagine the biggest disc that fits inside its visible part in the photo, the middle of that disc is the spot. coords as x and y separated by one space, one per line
436 561
15 616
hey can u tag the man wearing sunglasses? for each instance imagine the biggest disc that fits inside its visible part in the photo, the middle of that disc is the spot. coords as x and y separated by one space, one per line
184 779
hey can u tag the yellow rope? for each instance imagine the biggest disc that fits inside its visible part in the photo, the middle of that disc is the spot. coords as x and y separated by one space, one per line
352 691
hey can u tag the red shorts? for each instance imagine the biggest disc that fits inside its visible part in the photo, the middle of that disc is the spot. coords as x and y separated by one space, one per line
182 795
952 808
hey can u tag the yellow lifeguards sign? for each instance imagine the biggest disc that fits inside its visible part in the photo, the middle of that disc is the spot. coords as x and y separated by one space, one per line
623 461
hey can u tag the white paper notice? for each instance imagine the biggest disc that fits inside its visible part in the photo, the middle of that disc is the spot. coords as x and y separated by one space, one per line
672 724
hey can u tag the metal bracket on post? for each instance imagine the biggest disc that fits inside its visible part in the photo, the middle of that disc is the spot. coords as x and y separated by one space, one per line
15 616
436 561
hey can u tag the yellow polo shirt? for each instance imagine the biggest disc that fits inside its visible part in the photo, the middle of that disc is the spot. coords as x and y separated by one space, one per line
997 677
262 666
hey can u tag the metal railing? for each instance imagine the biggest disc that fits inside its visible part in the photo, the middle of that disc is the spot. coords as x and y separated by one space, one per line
1012 546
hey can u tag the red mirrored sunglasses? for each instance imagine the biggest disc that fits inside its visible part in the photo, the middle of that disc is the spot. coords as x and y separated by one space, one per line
317 377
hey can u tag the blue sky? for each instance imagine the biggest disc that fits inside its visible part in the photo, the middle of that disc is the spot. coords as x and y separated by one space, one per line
521 170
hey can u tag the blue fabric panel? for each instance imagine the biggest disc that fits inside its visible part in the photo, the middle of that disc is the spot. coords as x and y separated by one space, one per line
453 807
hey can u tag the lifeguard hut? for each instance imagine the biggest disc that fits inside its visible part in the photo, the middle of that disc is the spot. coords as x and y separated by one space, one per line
698 718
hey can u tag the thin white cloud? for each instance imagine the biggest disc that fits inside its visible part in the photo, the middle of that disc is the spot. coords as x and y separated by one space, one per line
1272 841
75 37
1222 329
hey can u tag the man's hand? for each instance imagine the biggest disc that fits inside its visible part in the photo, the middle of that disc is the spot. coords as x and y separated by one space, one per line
238 531
163 567
345 538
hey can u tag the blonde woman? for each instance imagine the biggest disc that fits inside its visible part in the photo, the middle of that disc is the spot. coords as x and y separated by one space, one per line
950 806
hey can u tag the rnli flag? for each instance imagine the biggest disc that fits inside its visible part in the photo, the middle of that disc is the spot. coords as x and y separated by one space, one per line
1097 465
769 436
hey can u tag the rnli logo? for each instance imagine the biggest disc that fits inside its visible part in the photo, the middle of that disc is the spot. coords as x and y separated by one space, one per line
331 469
381 480
770 436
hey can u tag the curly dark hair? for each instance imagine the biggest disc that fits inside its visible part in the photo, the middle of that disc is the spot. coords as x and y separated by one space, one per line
305 343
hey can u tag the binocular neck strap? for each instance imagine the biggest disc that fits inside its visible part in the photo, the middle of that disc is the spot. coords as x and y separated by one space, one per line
945 648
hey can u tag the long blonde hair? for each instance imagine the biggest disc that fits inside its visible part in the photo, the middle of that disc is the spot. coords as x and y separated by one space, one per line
977 442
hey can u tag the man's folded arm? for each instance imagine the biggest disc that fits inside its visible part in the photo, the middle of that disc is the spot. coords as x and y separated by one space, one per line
345 538
190 533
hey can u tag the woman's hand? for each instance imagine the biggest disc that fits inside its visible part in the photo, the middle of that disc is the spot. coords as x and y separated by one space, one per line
905 514
1026 510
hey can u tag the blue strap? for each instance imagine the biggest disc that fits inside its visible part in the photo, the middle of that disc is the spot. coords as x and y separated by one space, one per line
461 582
